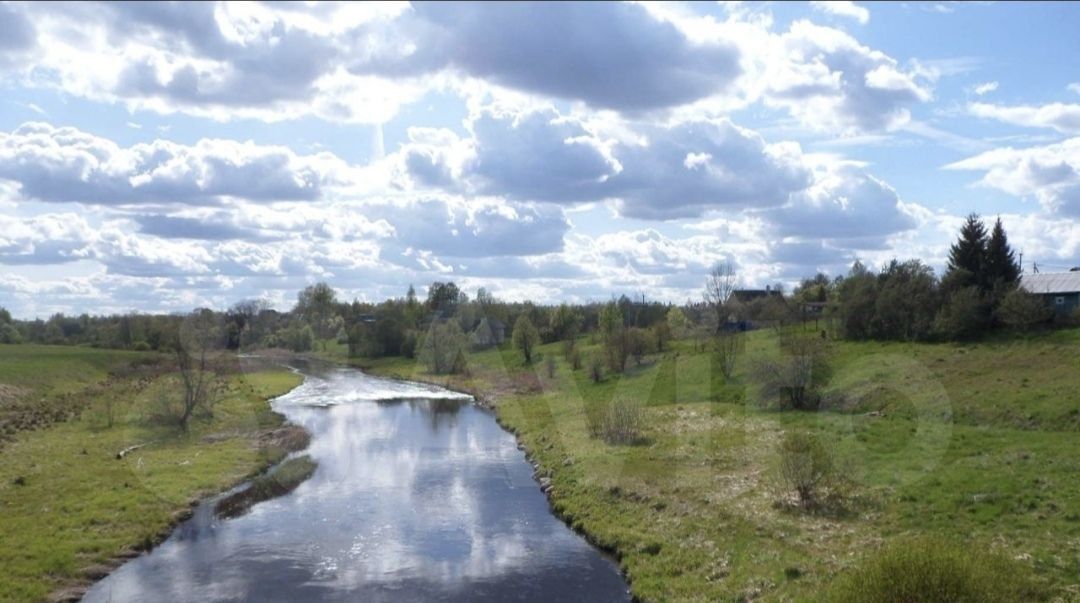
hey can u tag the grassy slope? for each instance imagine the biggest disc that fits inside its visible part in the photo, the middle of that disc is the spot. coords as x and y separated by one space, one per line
35 366
692 513
56 394
68 507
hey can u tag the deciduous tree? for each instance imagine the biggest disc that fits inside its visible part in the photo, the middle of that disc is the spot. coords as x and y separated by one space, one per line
525 337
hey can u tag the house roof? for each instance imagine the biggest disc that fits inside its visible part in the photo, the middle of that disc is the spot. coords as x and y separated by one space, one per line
751 294
1051 282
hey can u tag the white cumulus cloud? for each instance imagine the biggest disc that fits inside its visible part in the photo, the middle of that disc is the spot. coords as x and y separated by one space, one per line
1050 173
1059 116
843 8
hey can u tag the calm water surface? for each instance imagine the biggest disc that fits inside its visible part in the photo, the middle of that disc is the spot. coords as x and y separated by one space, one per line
419 496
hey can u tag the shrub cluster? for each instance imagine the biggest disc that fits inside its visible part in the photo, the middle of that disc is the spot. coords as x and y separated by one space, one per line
933 570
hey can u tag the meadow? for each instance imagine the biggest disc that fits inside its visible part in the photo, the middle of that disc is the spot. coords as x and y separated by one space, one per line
70 510
970 444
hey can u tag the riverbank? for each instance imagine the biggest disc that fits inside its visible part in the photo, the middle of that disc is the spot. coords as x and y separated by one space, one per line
418 495
70 510
696 513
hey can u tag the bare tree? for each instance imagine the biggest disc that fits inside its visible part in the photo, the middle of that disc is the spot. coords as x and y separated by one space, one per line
200 384
719 286
727 345
796 376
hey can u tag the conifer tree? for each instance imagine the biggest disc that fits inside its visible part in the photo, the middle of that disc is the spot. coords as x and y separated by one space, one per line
1001 267
967 256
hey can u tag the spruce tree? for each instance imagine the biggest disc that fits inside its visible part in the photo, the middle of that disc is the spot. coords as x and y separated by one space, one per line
967 256
1001 266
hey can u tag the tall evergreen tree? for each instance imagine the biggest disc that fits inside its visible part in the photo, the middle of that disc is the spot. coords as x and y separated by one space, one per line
1001 266
967 256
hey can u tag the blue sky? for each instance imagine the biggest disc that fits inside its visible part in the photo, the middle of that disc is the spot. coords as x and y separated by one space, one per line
157 157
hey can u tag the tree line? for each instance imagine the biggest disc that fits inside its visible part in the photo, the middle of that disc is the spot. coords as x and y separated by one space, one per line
906 301
903 300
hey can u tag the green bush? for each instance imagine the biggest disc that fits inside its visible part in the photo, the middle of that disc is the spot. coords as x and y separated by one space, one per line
596 369
963 316
932 570
444 349
525 337
616 423
8 334
794 378
805 465
1022 311
575 359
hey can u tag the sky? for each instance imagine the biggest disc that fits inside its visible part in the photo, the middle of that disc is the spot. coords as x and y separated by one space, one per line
158 157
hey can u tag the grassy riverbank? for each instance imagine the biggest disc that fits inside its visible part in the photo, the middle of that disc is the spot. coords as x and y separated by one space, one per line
974 443
69 509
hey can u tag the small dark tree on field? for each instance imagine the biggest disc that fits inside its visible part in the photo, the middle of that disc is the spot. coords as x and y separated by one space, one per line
637 344
596 369
569 346
201 385
575 359
613 337
661 333
795 377
727 347
1021 310
525 337
108 410
805 465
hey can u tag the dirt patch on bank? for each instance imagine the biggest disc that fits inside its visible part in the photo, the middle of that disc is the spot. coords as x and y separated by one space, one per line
9 394
290 438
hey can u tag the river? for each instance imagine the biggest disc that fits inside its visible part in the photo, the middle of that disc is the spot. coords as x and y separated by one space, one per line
419 496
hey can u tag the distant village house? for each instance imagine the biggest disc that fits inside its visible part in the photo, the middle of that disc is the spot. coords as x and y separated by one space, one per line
1060 290
489 333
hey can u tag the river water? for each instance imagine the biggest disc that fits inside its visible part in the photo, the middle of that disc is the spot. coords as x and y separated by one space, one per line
419 496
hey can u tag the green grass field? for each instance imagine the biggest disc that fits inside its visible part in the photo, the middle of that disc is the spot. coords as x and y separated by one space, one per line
979 444
68 507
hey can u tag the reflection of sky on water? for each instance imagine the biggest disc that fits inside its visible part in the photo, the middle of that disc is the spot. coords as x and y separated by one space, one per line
419 495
